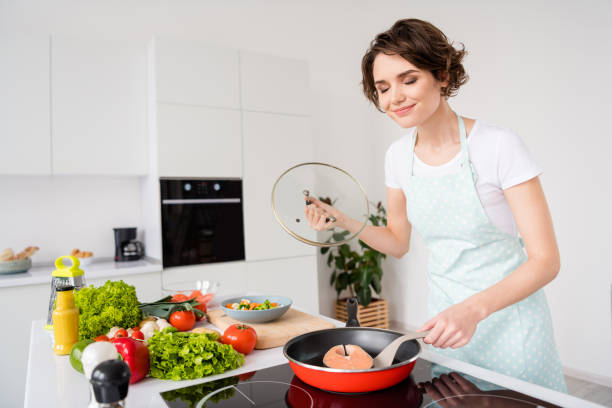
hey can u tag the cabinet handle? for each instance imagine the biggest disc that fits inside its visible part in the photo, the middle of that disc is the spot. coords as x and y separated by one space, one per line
201 201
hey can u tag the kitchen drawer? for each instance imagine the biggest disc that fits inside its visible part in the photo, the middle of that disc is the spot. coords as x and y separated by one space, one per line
231 276
293 277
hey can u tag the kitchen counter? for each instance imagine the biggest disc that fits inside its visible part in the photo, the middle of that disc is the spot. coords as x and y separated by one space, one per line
102 268
52 382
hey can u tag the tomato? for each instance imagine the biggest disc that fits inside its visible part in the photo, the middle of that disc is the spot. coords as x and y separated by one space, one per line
202 300
137 334
179 297
202 308
102 337
246 376
183 320
201 304
120 333
195 293
241 337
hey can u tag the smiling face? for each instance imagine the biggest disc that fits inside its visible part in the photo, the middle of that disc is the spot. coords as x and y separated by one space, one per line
407 94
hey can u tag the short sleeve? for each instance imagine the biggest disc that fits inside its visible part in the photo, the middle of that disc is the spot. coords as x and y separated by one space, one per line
515 163
390 174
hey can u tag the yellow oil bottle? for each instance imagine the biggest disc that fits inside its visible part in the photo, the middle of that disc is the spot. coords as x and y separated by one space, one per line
65 321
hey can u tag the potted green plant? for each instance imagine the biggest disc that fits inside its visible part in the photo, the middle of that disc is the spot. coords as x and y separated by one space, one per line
358 271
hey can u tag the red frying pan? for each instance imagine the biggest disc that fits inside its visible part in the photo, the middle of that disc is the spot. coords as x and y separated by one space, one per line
405 394
305 354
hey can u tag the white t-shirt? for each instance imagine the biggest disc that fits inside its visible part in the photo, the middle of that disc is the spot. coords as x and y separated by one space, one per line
500 160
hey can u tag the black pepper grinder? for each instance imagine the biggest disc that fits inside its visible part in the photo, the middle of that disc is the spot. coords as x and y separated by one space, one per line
110 380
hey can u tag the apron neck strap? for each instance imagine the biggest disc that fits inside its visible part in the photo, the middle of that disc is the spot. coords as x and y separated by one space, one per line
462 137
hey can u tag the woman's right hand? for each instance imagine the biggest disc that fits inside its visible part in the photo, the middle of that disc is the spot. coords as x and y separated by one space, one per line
319 215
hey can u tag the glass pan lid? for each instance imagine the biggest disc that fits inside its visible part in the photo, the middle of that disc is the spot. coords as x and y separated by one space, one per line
324 182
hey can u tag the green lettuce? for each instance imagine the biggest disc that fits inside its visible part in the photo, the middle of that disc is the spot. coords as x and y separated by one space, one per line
178 355
113 304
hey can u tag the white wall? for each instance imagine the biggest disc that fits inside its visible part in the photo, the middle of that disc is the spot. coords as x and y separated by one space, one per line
60 213
539 68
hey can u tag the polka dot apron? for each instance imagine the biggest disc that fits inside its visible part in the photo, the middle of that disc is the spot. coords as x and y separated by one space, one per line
468 254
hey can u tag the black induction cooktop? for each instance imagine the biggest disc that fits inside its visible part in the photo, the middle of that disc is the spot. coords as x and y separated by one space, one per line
278 387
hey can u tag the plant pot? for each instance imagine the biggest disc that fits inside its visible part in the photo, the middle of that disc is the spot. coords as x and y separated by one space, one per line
376 314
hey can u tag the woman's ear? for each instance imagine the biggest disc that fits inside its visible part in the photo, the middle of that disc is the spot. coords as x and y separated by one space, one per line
443 81
444 77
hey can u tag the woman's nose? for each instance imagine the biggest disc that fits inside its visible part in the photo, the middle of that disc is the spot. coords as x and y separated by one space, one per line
397 96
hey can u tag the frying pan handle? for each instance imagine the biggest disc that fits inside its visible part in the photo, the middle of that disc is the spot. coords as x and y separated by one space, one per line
351 310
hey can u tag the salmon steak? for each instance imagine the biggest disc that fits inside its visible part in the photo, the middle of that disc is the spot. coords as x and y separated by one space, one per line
357 358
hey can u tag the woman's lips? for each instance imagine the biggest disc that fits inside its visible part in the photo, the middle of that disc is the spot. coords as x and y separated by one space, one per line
404 111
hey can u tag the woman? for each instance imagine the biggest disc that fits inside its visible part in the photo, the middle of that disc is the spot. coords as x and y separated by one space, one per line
468 188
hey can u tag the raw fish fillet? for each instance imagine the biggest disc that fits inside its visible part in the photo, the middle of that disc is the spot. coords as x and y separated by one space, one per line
357 359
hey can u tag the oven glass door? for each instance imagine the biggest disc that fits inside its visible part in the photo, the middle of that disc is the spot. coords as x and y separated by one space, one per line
197 231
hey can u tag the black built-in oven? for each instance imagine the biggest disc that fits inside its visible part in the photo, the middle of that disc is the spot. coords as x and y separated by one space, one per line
201 221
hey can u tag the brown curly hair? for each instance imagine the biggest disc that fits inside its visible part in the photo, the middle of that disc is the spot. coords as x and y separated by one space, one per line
423 45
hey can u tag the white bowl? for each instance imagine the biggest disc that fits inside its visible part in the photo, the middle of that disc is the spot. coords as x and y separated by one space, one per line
258 316
82 261
185 288
17 266
85 261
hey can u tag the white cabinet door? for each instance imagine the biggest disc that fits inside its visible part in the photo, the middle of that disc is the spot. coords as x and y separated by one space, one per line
195 141
25 143
292 277
274 84
99 94
196 74
13 385
272 144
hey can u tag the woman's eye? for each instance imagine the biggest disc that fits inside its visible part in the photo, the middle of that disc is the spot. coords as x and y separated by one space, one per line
382 91
410 82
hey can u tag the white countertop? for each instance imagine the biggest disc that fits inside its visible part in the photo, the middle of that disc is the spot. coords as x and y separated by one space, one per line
52 382
102 268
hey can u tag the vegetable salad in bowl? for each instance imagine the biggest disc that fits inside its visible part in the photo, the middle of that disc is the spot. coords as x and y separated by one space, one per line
246 304
256 309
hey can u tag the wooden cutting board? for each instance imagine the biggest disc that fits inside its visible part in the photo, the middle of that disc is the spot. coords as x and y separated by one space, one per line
275 333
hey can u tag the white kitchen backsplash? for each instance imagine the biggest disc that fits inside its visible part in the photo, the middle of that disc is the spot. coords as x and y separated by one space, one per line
59 213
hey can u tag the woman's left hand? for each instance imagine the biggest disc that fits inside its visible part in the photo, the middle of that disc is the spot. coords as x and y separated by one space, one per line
453 327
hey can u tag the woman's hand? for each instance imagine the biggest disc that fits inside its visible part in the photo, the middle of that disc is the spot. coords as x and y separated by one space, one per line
319 215
453 327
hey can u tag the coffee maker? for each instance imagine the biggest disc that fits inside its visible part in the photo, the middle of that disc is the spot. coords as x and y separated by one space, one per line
126 246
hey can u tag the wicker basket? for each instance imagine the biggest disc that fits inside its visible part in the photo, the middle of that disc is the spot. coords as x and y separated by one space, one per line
376 314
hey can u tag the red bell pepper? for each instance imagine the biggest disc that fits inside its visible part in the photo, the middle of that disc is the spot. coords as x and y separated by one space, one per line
136 355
